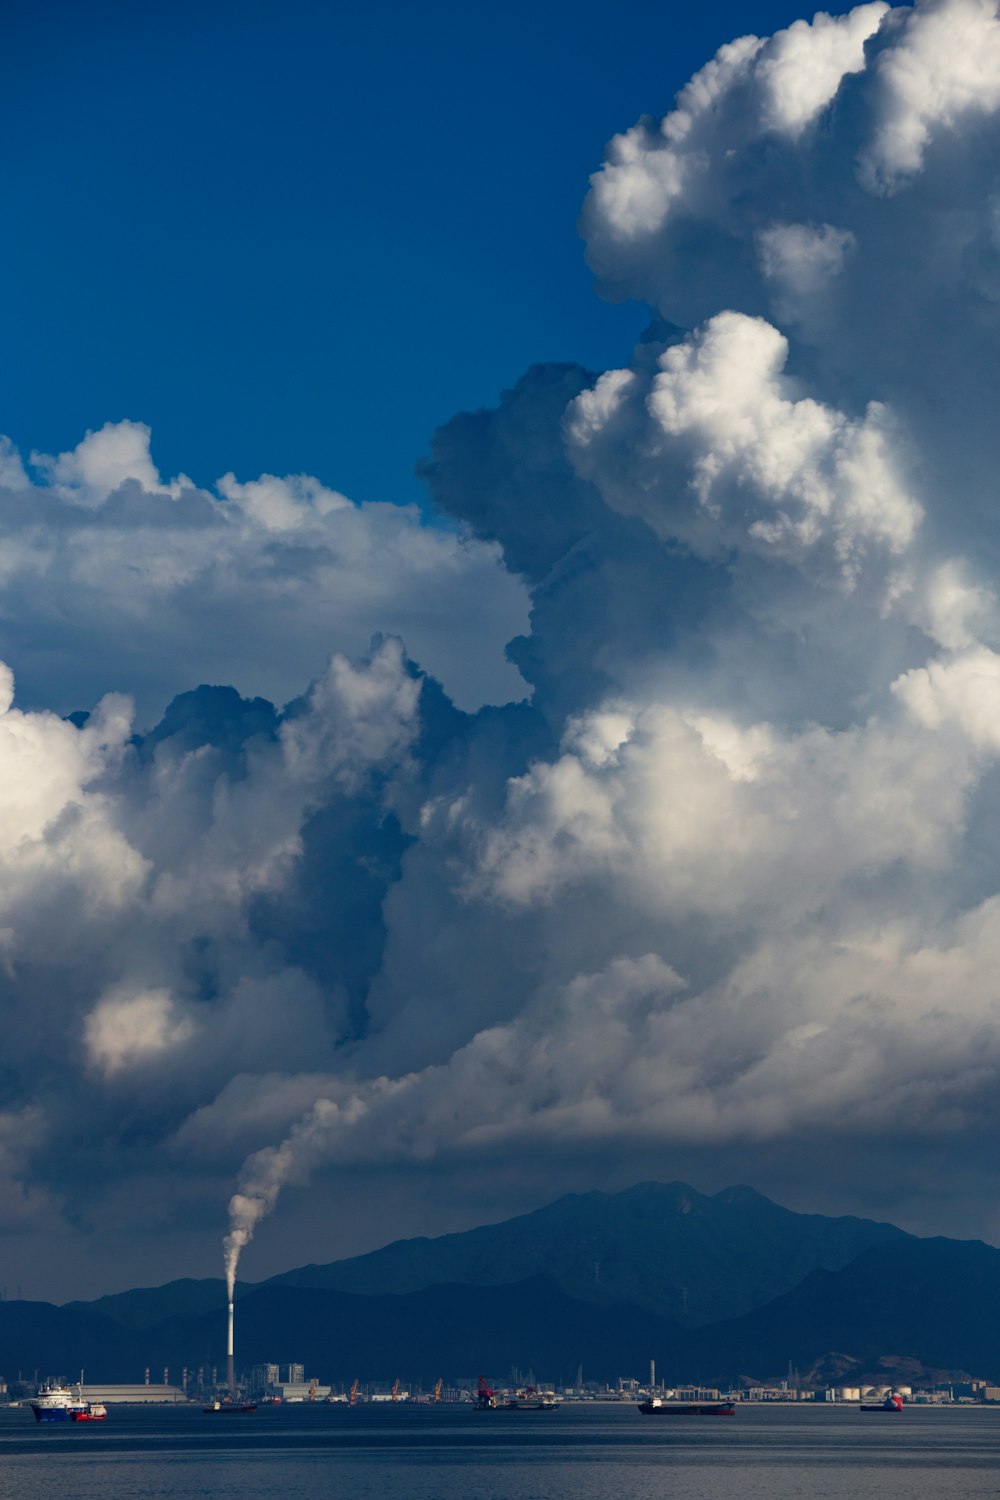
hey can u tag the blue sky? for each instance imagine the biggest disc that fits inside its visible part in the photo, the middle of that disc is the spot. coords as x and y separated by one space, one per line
297 237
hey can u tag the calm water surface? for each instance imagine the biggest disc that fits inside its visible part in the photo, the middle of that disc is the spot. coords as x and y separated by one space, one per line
455 1453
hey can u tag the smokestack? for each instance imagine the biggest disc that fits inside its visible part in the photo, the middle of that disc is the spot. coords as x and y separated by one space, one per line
229 1354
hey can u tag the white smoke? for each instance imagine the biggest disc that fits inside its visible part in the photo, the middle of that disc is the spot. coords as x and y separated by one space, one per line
266 1172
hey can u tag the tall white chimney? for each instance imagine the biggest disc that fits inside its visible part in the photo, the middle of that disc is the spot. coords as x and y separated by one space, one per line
230 1377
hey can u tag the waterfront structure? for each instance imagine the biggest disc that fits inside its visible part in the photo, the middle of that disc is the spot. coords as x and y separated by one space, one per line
303 1390
146 1395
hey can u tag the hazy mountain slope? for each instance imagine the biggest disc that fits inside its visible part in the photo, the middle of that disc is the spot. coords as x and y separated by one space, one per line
454 1331
144 1306
38 1340
911 1305
660 1246
933 1302
906 1306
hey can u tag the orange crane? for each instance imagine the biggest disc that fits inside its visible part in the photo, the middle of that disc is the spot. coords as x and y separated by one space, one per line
352 1398
312 1391
395 1390
437 1390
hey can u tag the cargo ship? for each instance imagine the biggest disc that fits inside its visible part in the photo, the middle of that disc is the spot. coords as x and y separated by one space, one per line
240 1407
660 1408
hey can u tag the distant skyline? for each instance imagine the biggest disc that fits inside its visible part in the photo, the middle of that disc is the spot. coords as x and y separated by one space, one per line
384 855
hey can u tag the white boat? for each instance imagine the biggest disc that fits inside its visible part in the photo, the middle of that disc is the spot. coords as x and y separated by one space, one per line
56 1403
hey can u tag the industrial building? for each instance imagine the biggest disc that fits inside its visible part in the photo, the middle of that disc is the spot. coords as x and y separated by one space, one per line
148 1395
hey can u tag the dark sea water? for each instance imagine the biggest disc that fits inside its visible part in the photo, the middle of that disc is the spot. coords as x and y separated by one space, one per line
456 1453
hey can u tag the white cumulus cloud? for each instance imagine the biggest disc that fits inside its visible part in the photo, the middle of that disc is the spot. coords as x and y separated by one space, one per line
108 573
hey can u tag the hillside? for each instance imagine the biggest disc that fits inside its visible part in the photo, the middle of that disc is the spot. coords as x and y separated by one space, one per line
710 1286
905 1309
663 1247
38 1340
910 1306
145 1306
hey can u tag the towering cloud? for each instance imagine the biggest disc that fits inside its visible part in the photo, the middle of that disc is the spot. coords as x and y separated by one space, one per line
725 883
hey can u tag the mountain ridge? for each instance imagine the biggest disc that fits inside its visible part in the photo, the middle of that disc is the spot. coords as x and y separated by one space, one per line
909 1309
883 1301
691 1257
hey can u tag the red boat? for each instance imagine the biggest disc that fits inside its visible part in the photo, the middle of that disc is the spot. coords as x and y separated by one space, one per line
486 1399
94 1411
